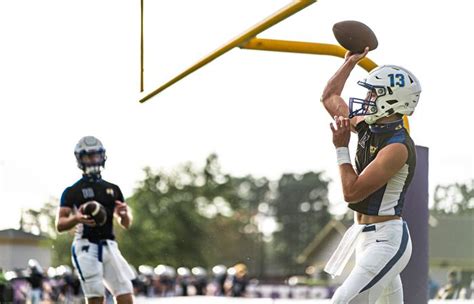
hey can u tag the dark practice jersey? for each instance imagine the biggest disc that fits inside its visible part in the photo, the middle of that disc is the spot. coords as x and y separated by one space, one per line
88 189
389 199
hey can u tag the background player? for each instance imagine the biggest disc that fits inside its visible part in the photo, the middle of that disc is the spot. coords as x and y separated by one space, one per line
375 190
95 254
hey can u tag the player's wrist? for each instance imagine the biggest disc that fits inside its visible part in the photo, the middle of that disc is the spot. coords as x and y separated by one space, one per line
343 155
77 218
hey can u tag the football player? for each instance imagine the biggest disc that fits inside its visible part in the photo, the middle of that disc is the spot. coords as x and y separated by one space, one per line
376 187
95 253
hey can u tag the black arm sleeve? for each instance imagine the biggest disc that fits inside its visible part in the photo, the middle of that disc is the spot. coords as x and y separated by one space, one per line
119 195
66 200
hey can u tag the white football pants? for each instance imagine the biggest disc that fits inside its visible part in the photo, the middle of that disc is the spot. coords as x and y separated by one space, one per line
382 252
101 265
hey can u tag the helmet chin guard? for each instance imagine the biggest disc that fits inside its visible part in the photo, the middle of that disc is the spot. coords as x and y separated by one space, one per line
396 90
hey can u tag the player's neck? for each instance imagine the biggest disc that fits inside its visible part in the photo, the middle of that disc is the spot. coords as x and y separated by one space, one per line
387 124
92 177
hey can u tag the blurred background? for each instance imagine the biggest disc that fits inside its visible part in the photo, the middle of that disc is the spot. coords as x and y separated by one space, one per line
231 173
202 231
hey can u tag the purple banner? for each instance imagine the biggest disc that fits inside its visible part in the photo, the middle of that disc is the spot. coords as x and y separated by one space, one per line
415 213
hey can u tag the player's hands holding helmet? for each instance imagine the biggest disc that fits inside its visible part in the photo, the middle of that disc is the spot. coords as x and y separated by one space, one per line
341 131
84 219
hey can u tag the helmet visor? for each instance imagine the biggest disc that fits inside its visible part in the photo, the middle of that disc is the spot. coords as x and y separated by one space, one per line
95 158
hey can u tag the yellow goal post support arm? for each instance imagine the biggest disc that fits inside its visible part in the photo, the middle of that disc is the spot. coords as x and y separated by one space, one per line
248 40
275 18
309 48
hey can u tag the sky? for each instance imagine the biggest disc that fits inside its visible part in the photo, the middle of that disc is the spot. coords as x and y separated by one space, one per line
71 68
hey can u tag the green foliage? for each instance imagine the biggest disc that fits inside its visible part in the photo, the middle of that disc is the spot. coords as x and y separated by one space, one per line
61 249
302 210
43 222
457 198
166 229
192 217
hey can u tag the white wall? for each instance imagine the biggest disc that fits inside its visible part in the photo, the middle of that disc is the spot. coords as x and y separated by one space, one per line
17 256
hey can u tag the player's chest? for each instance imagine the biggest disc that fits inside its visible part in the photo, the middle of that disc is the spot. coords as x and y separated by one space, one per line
367 149
100 193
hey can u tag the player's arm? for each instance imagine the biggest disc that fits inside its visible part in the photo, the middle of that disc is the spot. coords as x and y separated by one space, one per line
386 164
66 219
123 214
331 98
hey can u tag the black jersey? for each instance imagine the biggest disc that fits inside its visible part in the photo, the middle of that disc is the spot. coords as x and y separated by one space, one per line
88 189
389 199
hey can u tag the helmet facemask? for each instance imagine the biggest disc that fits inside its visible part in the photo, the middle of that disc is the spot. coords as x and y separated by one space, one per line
91 162
367 106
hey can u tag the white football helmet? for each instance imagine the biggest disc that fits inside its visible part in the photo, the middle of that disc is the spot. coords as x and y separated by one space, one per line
392 89
93 148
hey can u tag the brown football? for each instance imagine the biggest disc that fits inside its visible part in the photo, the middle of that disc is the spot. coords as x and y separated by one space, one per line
354 36
96 211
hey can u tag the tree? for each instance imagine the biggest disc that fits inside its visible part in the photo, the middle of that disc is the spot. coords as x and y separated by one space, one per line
192 217
457 198
301 206
167 228
42 222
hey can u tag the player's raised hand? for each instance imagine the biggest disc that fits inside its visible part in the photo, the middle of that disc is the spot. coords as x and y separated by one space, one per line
356 57
121 208
341 131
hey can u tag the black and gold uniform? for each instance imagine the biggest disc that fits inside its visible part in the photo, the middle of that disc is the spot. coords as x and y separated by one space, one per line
93 189
389 199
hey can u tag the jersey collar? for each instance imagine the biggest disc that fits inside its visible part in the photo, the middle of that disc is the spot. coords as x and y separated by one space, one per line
92 178
387 127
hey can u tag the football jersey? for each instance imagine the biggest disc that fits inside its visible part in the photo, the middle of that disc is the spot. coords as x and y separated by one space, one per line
90 189
389 199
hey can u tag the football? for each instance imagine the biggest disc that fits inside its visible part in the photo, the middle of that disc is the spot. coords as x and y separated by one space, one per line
96 211
354 36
